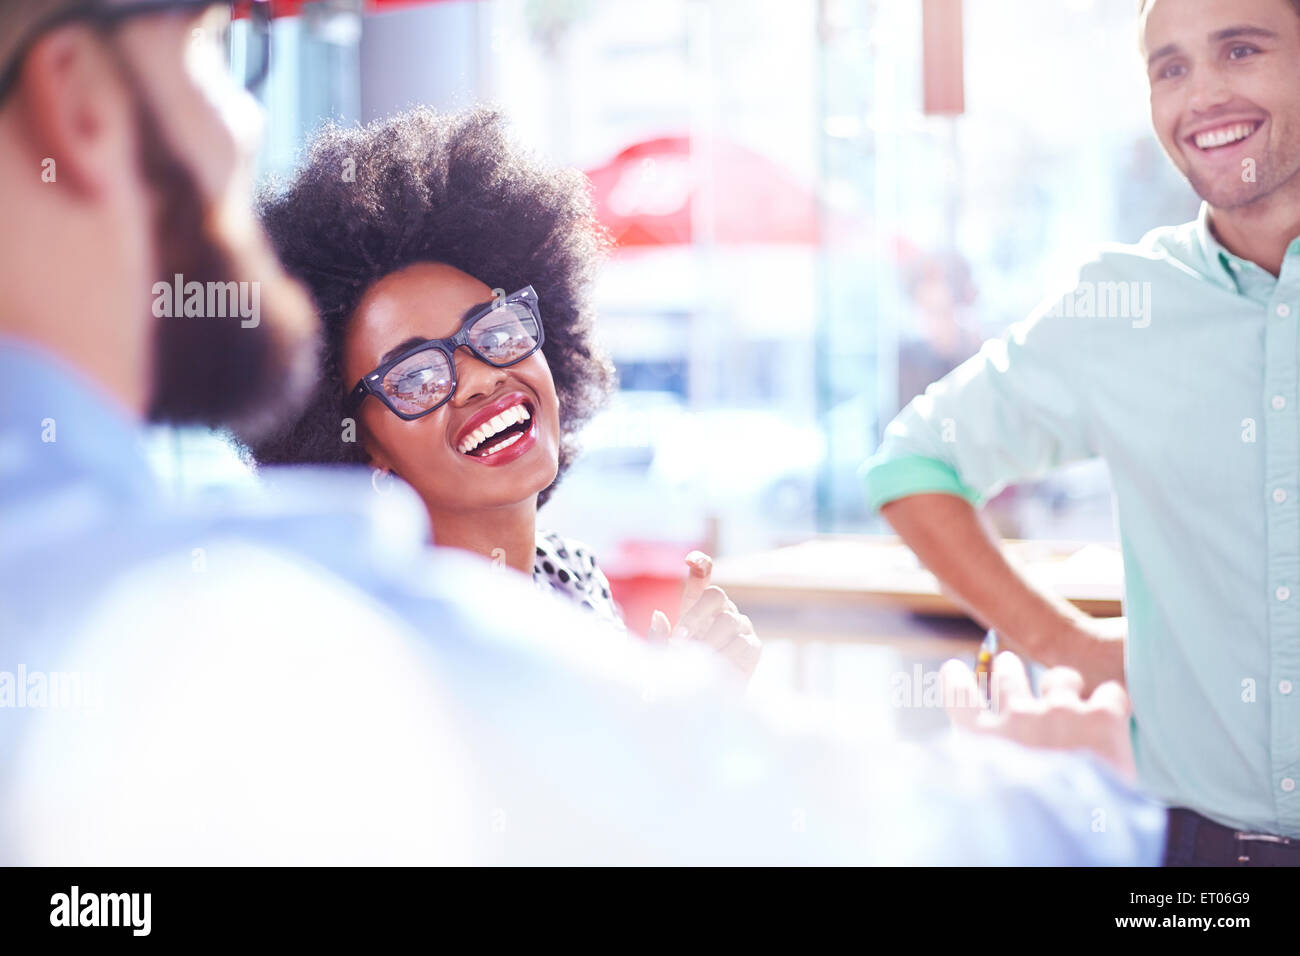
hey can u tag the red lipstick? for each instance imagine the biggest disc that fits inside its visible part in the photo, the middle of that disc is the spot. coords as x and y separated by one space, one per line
522 431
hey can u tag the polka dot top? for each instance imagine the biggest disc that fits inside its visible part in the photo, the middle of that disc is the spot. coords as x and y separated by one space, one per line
565 565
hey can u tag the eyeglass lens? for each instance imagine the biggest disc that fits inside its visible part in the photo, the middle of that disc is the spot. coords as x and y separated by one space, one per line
501 337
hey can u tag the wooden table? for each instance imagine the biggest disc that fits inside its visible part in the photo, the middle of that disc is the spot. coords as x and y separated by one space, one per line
830 596
868 572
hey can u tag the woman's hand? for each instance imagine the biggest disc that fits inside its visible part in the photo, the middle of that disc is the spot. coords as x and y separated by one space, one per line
709 616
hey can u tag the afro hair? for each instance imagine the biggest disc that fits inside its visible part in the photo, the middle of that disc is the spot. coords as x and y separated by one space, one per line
451 188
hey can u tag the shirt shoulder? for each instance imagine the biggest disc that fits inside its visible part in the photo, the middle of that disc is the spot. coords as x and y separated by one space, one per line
568 565
1118 287
1162 253
557 554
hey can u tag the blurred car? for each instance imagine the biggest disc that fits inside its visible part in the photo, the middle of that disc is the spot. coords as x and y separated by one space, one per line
652 469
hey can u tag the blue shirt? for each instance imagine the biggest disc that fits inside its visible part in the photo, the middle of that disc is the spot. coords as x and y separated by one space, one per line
293 676
1176 362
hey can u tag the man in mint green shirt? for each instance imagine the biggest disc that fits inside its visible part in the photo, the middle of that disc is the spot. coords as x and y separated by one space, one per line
1177 361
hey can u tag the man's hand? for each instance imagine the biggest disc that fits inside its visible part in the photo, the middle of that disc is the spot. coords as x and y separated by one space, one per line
709 616
1093 646
1058 719
946 533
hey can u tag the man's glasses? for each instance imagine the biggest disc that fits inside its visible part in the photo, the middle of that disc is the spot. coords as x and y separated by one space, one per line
422 378
248 43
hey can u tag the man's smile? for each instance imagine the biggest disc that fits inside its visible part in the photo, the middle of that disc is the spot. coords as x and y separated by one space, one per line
1211 138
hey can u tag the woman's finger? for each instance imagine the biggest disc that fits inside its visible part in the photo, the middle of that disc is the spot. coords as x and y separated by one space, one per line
700 569
723 631
697 619
744 653
660 627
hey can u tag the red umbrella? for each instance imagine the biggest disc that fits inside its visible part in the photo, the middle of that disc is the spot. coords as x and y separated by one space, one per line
647 193
291 8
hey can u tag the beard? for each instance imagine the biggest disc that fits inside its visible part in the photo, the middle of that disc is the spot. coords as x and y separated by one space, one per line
1275 171
1237 195
210 370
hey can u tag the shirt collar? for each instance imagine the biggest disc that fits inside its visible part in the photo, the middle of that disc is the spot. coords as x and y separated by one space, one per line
56 424
1247 278
1222 263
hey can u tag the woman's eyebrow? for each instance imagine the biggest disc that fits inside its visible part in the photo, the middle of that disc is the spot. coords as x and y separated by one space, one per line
473 309
402 346
414 340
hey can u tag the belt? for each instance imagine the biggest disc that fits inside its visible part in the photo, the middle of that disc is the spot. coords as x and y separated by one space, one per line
1195 840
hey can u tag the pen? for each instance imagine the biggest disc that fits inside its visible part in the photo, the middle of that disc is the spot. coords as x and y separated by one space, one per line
984 666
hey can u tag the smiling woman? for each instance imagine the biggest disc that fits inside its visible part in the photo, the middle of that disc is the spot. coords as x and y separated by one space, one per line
409 233
423 189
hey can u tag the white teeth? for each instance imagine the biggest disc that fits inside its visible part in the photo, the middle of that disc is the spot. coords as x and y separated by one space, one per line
1228 134
513 414
504 444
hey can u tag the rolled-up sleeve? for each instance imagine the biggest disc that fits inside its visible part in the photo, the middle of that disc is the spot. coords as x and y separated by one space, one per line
1009 413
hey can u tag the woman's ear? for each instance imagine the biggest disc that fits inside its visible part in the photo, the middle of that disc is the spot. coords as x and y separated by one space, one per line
381 471
376 459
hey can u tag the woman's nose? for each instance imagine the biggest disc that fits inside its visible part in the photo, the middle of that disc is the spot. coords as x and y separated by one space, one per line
474 377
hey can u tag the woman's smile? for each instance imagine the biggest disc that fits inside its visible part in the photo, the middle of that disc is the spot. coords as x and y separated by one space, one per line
499 432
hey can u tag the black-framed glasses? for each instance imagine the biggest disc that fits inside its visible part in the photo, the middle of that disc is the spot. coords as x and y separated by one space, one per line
422 378
250 56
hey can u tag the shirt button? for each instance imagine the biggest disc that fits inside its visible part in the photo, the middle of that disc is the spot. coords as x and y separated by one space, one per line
1283 310
1288 784
1279 495
1284 687
1283 593
1279 403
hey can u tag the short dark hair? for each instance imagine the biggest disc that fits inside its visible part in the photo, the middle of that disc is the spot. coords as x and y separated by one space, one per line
1142 6
430 187
18 18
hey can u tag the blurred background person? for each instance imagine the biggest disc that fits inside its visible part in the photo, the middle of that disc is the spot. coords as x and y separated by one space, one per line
940 291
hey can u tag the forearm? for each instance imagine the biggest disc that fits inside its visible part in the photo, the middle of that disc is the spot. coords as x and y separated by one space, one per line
948 537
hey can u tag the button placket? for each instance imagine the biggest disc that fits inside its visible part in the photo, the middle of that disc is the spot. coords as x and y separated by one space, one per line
1282 472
